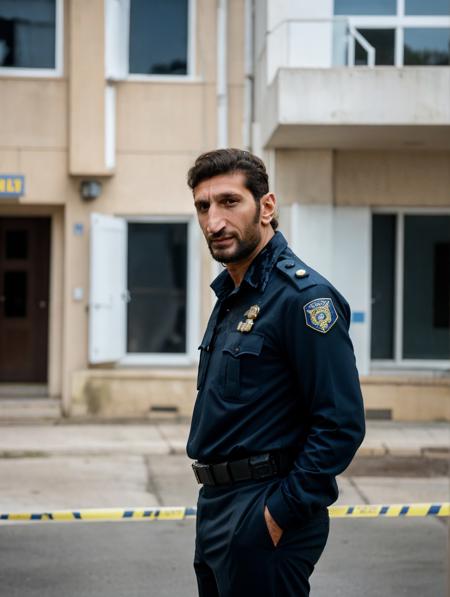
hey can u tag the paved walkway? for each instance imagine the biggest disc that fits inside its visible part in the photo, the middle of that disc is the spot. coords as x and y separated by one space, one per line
382 438
47 467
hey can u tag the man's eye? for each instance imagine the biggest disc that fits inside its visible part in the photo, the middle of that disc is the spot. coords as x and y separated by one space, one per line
202 207
230 202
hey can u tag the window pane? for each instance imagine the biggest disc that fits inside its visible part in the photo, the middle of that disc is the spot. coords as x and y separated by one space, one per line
427 46
366 7
27 33
427 7
383 40
157 281
383 286
158 37
426 329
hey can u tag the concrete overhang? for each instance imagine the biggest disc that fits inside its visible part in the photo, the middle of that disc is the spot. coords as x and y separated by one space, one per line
343 108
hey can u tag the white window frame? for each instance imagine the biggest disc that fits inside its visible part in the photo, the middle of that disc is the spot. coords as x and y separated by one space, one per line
190 76
190 357
399 22
398 362
6 71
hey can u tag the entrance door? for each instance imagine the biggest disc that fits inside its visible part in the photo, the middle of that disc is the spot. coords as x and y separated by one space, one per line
24 293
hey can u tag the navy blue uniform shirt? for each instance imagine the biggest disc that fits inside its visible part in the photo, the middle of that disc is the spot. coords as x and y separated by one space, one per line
289 383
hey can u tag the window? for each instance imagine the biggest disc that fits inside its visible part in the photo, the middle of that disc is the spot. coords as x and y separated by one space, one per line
427 47
28 34
383 40
410 287
402 32
143 281
365 7
157 286
427 7
383 286
159 37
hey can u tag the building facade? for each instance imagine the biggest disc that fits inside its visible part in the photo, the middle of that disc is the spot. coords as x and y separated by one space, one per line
104 283
353 109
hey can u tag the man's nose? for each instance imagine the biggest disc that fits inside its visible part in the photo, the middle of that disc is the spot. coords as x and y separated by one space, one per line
215 221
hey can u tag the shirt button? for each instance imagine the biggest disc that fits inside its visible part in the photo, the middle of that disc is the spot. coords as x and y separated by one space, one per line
236 349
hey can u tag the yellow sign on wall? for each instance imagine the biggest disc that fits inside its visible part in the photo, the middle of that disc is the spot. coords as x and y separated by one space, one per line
12 185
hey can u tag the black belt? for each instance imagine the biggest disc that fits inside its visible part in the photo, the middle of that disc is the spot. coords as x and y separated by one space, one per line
262 466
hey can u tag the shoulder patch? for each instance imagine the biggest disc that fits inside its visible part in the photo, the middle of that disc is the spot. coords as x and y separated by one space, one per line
320 315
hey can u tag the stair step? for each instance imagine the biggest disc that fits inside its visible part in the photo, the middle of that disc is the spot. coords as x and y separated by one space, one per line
23 390
29 408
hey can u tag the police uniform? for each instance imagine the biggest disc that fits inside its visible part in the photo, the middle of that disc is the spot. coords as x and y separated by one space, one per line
278 415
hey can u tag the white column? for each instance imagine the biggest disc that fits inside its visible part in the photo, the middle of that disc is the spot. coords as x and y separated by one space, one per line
336 242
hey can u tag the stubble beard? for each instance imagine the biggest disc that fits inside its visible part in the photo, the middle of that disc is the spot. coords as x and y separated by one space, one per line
245 245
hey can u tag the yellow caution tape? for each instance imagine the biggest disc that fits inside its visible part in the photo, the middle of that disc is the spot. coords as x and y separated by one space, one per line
183 513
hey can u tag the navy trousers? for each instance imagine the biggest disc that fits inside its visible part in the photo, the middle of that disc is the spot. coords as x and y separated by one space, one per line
234 553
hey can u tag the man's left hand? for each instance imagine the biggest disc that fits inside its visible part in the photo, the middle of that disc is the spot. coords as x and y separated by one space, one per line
275 531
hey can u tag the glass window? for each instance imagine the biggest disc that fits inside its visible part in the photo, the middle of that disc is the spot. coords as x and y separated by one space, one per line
426 320
365 7
429 46
427 7
383 286
157 282
27 33
159 37
383 40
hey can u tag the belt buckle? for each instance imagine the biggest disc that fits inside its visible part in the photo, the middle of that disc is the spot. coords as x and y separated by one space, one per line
203 473
262 466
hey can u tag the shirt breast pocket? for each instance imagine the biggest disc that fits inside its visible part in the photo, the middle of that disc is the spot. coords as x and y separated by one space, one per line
242 362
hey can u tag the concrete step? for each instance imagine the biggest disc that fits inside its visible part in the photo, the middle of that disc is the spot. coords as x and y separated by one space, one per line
23 390
23 409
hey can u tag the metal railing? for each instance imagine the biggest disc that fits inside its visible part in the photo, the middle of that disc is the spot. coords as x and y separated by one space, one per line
317 43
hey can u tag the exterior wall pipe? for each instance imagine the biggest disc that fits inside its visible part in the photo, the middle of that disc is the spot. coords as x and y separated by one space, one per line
222 79
248 86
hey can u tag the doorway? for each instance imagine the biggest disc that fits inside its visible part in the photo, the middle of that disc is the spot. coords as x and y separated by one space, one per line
24 299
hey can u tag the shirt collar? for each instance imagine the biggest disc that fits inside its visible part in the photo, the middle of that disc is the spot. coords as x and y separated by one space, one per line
257 275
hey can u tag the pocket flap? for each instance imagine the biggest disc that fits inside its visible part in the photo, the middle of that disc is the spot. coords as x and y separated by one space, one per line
238 344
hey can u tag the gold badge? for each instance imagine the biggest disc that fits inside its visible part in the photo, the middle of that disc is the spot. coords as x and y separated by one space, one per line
251 314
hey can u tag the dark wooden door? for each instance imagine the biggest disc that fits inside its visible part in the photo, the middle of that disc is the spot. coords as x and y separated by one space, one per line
24 296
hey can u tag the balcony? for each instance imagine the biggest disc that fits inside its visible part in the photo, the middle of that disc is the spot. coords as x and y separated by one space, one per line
318 98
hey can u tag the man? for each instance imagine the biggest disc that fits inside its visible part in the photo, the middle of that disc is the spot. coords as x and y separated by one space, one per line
279 411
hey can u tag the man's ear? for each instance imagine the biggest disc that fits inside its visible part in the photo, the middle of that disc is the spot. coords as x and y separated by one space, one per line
268 203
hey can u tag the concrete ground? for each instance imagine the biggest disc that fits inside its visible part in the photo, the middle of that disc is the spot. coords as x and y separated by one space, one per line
94 466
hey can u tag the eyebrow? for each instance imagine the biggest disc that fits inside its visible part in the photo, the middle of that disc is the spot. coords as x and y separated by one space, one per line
219 197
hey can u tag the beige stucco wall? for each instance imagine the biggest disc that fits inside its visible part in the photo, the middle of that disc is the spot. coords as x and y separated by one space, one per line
363 178
403 178
408 398
304 176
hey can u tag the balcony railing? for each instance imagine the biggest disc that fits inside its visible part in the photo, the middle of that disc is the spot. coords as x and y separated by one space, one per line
316 43
359 41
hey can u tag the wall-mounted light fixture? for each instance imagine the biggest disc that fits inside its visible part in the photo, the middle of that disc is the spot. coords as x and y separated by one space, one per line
90 189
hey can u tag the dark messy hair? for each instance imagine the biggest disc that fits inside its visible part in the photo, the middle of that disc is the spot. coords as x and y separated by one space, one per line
228 161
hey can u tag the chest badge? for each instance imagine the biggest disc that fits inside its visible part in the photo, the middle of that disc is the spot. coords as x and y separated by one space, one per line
251 314
320 315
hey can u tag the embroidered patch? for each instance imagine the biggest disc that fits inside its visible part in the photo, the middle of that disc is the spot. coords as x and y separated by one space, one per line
320 315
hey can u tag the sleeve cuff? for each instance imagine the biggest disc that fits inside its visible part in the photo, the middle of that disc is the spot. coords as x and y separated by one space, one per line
280 510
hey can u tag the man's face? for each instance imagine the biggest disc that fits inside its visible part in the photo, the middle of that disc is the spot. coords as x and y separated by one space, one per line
229 217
